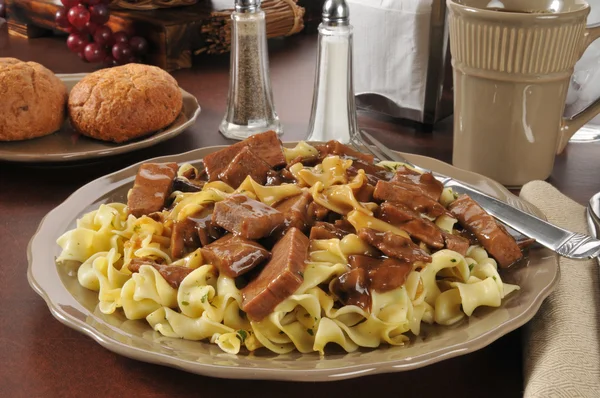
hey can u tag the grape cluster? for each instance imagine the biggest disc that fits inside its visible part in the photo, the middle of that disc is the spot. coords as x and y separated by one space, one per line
92 39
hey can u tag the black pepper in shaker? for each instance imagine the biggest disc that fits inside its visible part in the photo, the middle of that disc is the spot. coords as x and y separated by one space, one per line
250 100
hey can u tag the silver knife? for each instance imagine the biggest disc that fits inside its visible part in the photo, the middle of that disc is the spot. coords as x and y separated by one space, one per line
565 243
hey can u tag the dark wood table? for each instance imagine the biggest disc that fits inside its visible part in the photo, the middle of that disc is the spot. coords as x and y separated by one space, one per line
39 357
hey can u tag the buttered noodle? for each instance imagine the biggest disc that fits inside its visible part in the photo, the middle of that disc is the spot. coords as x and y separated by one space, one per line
207 305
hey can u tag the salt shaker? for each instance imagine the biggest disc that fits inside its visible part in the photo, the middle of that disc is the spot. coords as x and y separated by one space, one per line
333 115
250 100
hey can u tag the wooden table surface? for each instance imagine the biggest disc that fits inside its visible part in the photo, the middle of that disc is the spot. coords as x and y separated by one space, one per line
39 357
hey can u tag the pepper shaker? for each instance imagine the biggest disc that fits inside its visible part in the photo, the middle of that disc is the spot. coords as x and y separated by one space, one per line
250 100
333 115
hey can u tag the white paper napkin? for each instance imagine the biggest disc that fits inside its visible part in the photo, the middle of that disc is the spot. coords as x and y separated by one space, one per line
391 47
585 84
562 342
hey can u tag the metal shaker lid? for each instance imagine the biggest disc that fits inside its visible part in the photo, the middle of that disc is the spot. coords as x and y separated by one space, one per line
336 13
247 5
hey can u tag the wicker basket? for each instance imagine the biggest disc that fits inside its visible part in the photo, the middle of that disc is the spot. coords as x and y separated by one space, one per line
283 18
150 4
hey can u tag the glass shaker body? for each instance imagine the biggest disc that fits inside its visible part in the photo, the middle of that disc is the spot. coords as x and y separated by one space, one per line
250 100
333 115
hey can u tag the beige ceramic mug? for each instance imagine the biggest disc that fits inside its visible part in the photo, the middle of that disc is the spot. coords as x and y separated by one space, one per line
512 61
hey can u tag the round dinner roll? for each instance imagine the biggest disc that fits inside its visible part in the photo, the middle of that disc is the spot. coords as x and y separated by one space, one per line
32 100
124 102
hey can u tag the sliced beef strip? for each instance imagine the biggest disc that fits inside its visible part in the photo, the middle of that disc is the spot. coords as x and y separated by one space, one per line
373 172
233 255
406 219
456 243
323 151
206 229
325 230
247 217
390 275
469 236
424 183
193 232
499 243
394 245
385 190
279 278
317 212
364 193
173 274
352 288
184 238
158 216
216 162
265 145
152 186
337 148
345 226
385 274
278 177
295 210
245 163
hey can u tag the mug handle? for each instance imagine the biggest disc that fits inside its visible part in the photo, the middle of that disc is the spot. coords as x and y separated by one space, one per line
569 126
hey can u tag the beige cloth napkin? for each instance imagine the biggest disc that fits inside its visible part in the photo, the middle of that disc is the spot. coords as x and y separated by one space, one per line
562 342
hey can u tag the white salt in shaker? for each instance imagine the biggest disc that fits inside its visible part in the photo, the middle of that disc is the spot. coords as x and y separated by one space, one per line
333 115
250 100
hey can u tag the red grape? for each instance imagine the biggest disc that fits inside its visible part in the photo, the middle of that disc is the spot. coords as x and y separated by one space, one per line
69 3
92 2
94 53
99 13
110 61
2 9
138 45
121 37
61 18
90 28
121 52
81 55
79 16
135 60
103 36
76 42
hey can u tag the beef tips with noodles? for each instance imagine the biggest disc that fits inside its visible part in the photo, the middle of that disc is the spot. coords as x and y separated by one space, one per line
245 164
388 191
279 278
265 146
247 217
233 255
152 185
492 236
173 274
394 245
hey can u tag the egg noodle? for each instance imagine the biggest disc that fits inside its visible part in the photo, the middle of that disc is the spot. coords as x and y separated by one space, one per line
207 305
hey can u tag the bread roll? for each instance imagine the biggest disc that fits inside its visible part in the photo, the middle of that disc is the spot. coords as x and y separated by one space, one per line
124 103
32 100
